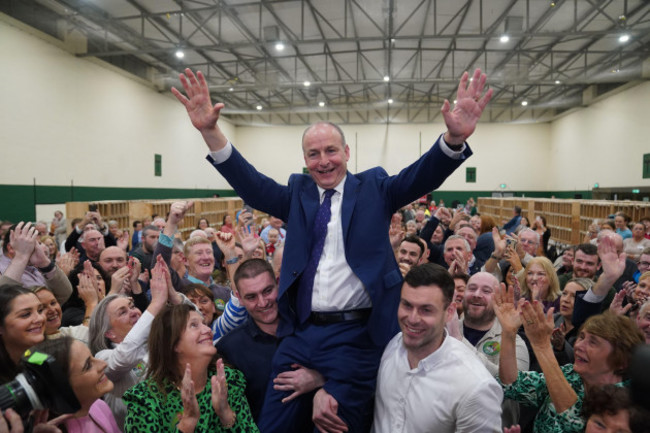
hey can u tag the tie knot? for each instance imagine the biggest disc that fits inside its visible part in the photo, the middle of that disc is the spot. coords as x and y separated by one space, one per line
329 193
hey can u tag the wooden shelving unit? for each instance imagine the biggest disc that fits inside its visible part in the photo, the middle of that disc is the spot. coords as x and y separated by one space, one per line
568 220
126 212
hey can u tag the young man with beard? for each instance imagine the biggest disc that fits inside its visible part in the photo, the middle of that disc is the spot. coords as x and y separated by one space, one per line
481 332
410 253
422 361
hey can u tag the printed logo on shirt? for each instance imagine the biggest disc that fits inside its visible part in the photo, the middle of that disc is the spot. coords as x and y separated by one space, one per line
139 369
491 348
220 304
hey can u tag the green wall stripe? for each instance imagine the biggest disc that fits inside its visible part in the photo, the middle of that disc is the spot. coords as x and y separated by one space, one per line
19 201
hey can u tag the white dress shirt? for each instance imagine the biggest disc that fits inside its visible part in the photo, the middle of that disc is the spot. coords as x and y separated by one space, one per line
449 391
336 287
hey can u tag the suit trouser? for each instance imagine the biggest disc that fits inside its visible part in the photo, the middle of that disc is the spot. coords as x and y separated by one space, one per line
348 360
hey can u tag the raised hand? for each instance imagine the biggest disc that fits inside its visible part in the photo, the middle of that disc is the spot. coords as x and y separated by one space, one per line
499 244
199 107
23 239
68 261
123 241
190 416
557 338
505 309
87 291
617 307
460 263
613 263
134 273
40 256
198 102
443 215
220 396
513 258
470 103
246 219
453 325
226 243
395 234
177 213
300 380
117 280
537 325
159 285
248 240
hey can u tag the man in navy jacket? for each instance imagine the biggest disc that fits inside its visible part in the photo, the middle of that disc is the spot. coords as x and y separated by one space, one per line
357 285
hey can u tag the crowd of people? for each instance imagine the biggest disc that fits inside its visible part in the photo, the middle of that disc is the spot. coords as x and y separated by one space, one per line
353 307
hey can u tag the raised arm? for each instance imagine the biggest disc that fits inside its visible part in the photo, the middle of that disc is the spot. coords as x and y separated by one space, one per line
510 320
199 107
470 102
613 266
539 327
23 241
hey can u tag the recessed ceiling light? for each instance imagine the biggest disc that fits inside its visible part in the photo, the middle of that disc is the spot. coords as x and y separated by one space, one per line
279 46
259 107
306 84
386 78
321 104
504 39
624 38
524 103
390 101
179 54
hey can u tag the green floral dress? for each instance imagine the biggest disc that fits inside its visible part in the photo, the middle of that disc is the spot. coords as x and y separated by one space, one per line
530 390
149 410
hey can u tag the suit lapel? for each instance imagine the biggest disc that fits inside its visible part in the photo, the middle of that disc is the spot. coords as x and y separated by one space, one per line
310 202
350 193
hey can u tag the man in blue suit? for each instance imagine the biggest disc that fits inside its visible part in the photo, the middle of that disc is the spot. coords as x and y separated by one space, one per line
340 284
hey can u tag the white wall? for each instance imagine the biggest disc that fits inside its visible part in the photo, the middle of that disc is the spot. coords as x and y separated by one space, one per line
63 118
276 151
603 143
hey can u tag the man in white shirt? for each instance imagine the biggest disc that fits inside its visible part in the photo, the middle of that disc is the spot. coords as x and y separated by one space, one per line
429 382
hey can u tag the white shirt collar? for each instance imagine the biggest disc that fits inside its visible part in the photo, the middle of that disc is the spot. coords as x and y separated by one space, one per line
338 188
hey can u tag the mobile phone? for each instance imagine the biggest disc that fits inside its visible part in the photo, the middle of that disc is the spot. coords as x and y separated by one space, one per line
510 242
92 207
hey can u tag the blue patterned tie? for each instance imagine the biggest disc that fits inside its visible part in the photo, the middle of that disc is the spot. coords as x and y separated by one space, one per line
306 285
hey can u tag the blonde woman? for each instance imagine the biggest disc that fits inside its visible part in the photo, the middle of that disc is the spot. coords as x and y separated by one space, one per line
539 282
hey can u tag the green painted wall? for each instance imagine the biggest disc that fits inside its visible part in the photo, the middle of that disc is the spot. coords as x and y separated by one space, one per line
19 201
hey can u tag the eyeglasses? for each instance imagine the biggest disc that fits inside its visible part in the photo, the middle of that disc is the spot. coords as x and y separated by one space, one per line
644 264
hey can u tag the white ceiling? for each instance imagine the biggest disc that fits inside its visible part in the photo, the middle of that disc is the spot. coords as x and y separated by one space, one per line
344 48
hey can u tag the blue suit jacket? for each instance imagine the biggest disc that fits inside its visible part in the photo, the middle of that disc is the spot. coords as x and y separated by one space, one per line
369 200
